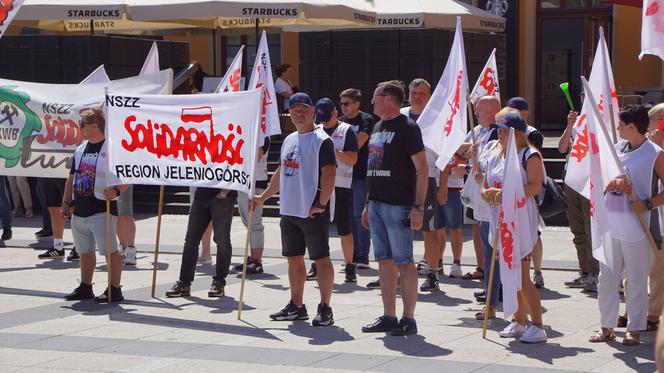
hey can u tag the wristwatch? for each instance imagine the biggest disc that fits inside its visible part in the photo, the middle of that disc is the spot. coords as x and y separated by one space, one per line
319 205
419 208
649 204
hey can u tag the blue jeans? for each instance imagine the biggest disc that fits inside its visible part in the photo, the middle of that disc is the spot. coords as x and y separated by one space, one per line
488 255
390 232
5 206
361 241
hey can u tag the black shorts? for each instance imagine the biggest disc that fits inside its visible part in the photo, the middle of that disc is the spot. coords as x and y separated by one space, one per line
300 234
54 189
343 210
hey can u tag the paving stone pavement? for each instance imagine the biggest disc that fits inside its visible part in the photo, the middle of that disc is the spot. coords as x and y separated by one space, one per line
39 331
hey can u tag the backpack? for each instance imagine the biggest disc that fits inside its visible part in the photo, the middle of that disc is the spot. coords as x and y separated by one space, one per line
553 201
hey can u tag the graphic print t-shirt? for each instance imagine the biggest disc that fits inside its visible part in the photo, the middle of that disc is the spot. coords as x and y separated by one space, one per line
391 174
85 202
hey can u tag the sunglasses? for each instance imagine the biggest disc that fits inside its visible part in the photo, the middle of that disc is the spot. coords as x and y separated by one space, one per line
345 103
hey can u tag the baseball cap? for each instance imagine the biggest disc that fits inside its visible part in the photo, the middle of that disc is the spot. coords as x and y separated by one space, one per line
324 109
300 98
512 121
518 103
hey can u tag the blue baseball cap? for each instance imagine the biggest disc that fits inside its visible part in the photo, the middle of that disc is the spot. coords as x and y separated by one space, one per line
512 121
324 109
518 103
300 98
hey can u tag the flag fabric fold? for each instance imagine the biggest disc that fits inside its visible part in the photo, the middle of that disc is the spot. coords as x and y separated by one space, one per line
261 76
444 120
151 64
652 28
231 80
97 76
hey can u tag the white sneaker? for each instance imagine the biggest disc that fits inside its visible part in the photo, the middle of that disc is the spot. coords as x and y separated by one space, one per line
423 267
513 330
130 256
455 271
533 335
205 260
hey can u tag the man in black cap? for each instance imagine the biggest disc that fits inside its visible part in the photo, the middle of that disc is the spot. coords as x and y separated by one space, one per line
305 181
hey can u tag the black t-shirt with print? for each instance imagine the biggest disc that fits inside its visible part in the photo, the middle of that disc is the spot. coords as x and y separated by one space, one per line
85 202
362 122
391 174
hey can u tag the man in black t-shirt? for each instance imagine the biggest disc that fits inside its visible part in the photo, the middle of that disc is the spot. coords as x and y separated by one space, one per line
397 179
87 180
362 123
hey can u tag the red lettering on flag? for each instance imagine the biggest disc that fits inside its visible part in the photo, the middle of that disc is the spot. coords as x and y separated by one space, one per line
235 80
488 81
520 203
506 239
580 147
454 105
5 7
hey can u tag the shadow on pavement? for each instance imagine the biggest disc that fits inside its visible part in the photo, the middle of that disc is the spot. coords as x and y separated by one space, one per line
31 293
414 345
320 336
546 352
548 294
219 305
441 299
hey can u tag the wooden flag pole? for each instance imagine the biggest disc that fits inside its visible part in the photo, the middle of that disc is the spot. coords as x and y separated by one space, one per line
494 256
109 267
244 266
593 104
160 211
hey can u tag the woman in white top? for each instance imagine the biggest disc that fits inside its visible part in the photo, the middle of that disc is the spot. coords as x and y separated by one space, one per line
533 176
625 198
283 86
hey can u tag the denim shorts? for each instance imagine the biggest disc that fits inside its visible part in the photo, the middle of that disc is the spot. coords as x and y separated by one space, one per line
90 232
451 216
391 235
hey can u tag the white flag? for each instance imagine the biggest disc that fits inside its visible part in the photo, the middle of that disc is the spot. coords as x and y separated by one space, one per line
652 28
151 64
443 121
261 75
97 76
487 83
515 240
8 9
231 80
602 86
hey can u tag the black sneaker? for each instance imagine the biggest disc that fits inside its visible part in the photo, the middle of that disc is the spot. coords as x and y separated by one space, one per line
407 326
216 289
116 296
431 282
291 312
381 325
324 316
313 273
374 285
52 253
254 266
179 290
73 256
83 291
42 234
478 294
6 234
351 277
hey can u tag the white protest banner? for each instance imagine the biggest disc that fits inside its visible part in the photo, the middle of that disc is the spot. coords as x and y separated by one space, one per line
261 76
602 86
39 122
487 83
97 76
202 140
8 9
444 120
231 80
652 28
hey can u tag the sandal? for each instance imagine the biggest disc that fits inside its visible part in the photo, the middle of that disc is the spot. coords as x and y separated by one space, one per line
601 337
631 339
477 275
622 322
480 315
652 326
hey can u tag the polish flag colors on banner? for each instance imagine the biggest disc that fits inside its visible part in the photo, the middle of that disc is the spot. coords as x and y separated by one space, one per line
487 83
514 222
652 28
261 76
444 120
151 64
97 76
8 9
231 80
186 140
603 88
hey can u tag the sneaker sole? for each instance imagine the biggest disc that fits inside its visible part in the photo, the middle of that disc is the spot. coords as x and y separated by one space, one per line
114 300
534 341
362 266
178 295
430 289
52 257
289 318
216 295
82 298
510 336
314 323
350 281
312 278
401 334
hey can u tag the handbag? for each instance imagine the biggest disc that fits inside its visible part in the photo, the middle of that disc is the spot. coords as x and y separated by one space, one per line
553 201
